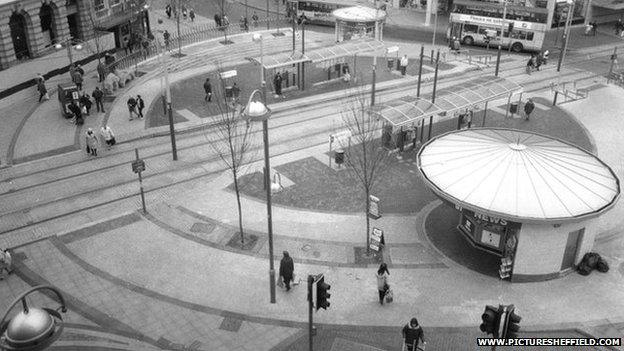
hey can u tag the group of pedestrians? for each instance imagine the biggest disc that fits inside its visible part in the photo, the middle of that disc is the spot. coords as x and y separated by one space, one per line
186 13
535 62
221 21
412 332
135 107
93 142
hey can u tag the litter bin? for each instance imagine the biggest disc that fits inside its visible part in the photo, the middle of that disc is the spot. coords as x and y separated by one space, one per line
339 156
513 108
390 63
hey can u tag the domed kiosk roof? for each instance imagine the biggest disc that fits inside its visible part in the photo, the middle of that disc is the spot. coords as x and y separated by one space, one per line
517 175
359 14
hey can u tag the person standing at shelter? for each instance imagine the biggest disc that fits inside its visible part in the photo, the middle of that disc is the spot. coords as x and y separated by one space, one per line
528 108
192 15
208 90
277 83
412 335
98 95
287 269
166 37
217 20
404 63
254 19
140 105
168 11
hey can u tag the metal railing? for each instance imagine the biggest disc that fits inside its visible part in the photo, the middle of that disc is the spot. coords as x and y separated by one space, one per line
188 37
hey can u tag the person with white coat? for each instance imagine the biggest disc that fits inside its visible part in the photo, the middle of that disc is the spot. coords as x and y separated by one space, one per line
109 138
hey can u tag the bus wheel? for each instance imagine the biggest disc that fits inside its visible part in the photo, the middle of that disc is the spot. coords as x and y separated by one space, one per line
517 47
468 40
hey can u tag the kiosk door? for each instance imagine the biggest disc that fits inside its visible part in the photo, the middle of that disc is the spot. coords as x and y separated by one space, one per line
569 255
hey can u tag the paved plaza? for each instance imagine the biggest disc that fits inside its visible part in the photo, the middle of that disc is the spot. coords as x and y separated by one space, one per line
174 278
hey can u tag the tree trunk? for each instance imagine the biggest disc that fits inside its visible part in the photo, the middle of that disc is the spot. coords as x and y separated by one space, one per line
238 204
367 191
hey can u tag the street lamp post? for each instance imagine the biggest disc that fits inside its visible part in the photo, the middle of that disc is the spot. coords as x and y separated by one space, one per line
258 111
32 329
500 41
167 103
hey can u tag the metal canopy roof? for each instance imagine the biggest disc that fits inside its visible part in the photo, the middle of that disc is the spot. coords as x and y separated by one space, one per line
517 175
410 109
320 54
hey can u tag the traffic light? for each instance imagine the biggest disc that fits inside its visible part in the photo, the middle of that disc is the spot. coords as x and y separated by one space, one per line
491 320
322 294
511 326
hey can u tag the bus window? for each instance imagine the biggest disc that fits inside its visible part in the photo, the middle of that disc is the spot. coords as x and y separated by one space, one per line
505 34
529 36
471 28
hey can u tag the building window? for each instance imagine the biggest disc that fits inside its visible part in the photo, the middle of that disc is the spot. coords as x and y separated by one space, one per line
98 5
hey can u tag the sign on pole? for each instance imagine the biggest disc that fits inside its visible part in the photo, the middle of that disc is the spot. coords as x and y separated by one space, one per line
376 239
373 207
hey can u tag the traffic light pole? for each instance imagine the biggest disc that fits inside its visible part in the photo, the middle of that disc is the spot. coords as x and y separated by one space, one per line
310 308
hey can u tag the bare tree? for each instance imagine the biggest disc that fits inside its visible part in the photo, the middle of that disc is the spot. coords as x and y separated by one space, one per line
365 155
232 140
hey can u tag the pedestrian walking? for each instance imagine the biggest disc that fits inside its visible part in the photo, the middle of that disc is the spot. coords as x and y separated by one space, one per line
246 24
412 335
529 106
126 45
77 112
208 90
166 37
168 11
43 91
235 92
77 79
217 20
79 69
6 263
254 19
92 142
594 27
131 108
140 105
277 83
85 103
403 63
225 21
545 57
539 61
101 70
98 95
383 278
287 270
184 13
530 64
109 138
192 15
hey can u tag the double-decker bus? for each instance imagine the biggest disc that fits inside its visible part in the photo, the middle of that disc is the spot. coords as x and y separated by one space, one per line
320 11
476 21
478 30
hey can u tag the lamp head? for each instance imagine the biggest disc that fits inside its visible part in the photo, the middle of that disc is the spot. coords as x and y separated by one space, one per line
58 46
256 110
78 47
33 329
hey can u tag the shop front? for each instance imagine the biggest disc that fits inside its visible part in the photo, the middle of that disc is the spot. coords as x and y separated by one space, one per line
527 198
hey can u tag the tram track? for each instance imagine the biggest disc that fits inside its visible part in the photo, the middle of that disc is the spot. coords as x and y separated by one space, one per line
153 152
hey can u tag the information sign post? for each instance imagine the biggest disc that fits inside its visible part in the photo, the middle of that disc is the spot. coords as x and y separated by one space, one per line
138 166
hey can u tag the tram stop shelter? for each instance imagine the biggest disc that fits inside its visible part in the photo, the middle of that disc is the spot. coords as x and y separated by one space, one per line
292 65
530 199
405 115
358 22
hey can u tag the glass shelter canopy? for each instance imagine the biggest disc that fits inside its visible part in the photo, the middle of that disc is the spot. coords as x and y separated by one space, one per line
410 110
349 48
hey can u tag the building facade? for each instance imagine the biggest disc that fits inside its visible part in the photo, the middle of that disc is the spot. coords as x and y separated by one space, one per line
31 28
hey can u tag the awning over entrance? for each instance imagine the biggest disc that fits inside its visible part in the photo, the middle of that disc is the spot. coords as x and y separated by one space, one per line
609 4
408 110
320 54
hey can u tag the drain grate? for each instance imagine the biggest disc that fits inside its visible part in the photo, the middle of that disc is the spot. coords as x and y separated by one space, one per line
231 324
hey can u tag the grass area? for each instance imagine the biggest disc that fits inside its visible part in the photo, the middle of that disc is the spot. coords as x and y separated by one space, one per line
189 94
318 187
